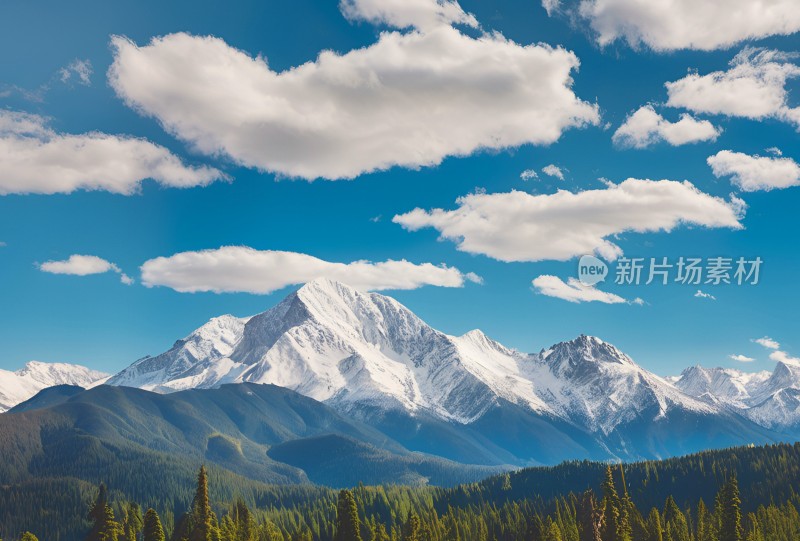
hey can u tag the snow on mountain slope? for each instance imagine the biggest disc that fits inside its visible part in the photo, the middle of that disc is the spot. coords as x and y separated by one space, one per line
211 342
349 348
769 399
598 387
726 385
16 387
357 350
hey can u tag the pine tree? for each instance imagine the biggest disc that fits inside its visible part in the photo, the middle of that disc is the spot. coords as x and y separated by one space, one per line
730 526
611 508
706 530
347 524
152 529
244 524
624 531
202 517
655 531
132 523
553 533
104 527
590 518
28 536
411 530
97 510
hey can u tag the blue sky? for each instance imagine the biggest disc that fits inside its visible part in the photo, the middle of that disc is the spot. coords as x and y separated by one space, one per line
100 322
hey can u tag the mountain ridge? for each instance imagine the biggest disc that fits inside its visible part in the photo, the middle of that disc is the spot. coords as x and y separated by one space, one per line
18 386
367 355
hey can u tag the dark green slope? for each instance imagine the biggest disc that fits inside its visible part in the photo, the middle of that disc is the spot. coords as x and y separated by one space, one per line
147 447
330 459
50 396
87 434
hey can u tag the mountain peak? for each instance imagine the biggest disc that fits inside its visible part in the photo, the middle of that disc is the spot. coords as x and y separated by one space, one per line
587 348
326 287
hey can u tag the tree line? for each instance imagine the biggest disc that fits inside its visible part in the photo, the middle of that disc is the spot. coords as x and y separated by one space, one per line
361 514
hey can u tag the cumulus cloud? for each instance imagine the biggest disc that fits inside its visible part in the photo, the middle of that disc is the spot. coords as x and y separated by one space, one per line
518 226
553 171
409 100
80 69
754 87
574 291
783 357
777 354
233 269
742 358
36 159
687 24
645 127
767 342
529 174
703 295
84 265
754 173
421 14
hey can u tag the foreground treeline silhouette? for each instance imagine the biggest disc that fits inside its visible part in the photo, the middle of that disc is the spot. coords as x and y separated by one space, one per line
508 507
610 515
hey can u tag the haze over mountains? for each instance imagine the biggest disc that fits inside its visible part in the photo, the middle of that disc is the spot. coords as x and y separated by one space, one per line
466 399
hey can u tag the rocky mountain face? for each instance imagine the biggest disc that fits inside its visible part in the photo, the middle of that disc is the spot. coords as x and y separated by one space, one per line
768 399
466 397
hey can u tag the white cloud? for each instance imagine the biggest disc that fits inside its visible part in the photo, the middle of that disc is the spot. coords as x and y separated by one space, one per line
36 159
703 295
84 265
742 358
82 69
645 127
775 151
474 278
754 173
777 354
422 14
666 25
242 269
551 6
529 174
767 342
754 87
409 100
553 171
574 291
518 226
783 357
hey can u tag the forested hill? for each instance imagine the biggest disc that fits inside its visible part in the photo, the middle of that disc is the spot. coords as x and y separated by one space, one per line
507 507
765 473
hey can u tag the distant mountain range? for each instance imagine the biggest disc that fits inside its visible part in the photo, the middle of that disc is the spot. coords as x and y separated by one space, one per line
465 399
18 386
769 399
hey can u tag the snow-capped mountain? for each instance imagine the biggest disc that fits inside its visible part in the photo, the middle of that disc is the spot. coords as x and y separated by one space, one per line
597 386
724 385
368 355
344 347
16 387
769 399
